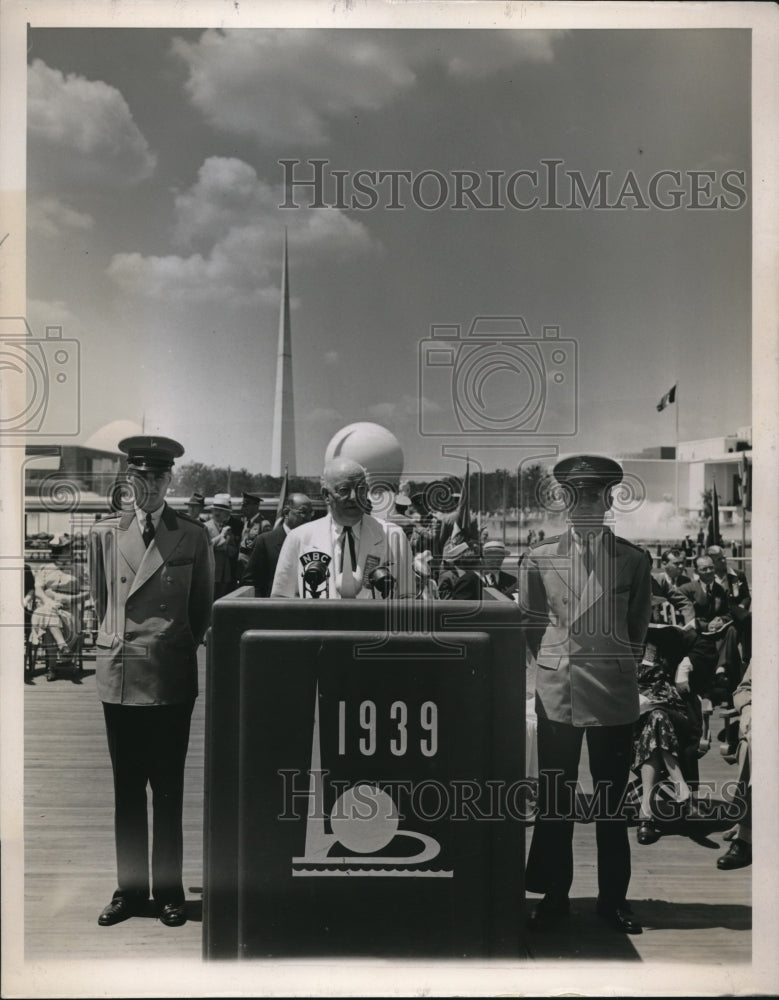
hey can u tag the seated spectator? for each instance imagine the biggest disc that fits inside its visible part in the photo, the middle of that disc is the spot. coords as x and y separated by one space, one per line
672 567
60 593
739 854
665 587
715 627
734 583
666 731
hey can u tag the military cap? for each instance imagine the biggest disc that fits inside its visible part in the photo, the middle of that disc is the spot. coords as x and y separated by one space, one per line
251 497
587 470
149 453
197 498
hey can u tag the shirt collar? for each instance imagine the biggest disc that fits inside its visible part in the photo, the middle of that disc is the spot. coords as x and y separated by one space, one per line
339 529
156 516
596 536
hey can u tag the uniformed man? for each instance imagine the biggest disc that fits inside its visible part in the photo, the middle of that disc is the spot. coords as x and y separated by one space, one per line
585 597
151 577
250 530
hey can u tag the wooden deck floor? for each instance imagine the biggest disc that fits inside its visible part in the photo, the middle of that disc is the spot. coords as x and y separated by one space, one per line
691 912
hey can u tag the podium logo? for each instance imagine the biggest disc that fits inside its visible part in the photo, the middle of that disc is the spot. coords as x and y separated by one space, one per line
364 823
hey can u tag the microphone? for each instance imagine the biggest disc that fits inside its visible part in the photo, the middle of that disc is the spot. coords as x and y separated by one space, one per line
315 573
383 581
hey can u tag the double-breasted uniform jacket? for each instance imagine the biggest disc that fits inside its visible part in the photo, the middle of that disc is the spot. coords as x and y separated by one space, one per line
586 631
380 544
153 605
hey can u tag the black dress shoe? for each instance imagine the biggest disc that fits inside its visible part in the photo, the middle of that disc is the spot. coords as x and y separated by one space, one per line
620 918
173 914
119 909
647 832
549 913
738 855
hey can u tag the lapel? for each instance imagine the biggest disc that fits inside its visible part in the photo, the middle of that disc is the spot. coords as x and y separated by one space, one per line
165 541
371 537
608 567
129 541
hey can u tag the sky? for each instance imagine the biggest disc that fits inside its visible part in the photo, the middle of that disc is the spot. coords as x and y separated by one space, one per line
155 234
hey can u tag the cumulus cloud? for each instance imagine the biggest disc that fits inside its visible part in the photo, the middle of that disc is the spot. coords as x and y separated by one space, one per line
227 227
82 131
476 54
50 217
240 80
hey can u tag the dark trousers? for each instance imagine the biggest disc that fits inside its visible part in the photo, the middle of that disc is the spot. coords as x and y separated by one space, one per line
148 745
550 862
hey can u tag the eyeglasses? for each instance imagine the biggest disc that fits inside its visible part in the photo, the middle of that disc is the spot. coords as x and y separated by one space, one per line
345 490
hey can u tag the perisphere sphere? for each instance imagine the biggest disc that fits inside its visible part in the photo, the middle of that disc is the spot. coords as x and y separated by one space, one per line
364 819
372 445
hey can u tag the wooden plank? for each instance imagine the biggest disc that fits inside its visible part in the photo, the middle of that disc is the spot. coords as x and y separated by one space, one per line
691 911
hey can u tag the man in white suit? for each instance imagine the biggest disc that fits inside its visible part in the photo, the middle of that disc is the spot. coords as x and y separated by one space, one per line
348 553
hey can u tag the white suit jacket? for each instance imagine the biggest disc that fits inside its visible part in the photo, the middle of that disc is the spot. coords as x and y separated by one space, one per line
380 544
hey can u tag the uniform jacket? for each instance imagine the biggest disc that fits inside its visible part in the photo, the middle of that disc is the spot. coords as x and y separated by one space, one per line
380 544
586 632
262 562
153 606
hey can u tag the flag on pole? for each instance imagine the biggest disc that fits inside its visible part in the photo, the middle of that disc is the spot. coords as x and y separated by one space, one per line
282 497
712 533
466 526
668 398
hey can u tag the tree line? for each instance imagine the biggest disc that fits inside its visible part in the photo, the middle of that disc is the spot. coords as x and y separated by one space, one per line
486 491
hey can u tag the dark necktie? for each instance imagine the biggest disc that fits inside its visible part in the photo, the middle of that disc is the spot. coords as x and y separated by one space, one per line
588 556
348 583
348 535
148 531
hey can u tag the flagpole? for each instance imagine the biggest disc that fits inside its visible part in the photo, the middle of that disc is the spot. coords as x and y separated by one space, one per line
676 447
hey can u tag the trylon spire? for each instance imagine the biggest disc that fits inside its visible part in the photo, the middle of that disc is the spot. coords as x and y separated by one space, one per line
283 447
